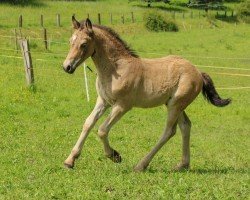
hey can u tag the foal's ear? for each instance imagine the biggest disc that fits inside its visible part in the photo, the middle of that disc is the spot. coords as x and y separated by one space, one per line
88 25
75 23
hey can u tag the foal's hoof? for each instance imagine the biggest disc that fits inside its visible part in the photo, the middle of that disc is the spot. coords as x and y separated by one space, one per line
181 167
69 163
115 157
68 166
140 168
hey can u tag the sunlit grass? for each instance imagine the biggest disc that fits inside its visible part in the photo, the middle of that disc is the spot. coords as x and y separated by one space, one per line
38 129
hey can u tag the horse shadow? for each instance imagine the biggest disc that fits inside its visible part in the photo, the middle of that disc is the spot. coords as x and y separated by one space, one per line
225 170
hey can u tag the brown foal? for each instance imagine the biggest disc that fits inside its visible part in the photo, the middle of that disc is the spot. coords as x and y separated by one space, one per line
124 80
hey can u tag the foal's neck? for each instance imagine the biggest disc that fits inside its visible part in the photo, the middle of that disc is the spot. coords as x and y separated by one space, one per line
108 53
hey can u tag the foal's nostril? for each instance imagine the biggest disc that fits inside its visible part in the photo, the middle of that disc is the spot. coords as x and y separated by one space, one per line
68 68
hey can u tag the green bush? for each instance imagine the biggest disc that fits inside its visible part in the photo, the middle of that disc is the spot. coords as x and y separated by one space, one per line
157 22
18 2
243 11
31 2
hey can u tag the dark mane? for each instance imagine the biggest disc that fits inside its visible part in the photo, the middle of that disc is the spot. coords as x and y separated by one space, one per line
118 38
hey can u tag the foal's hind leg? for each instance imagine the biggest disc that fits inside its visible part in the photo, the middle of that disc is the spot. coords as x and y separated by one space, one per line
185 126
116 113
169 132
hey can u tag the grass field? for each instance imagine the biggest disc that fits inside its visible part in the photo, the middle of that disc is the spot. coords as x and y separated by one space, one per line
39 127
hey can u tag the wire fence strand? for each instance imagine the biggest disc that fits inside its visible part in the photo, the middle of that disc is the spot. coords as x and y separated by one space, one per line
143 52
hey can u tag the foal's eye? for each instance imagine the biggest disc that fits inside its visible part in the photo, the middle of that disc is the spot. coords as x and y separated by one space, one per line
83 45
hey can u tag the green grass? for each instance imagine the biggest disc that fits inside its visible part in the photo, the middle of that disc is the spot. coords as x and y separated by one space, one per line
38 129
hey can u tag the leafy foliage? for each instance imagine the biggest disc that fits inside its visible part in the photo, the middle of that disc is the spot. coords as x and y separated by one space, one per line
232 1
151 1
206 4
31 2
16 1
156 22
243 11
22 2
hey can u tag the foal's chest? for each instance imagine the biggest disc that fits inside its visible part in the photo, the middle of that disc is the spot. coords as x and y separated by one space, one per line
113 89
105 91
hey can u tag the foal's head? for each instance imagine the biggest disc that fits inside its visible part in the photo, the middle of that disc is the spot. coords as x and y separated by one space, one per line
81 45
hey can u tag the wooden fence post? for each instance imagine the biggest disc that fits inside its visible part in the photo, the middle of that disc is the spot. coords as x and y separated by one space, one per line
16 40
183 15
191 14
20 21
132 17
58 20
45 38
111 18
27 62
99 18
41 20
123 18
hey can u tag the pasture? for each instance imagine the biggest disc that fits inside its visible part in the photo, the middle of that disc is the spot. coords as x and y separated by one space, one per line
40 125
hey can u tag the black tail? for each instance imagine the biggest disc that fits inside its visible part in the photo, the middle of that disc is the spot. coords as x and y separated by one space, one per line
210 93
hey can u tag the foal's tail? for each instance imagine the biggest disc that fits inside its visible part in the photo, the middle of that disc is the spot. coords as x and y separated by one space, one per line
210 93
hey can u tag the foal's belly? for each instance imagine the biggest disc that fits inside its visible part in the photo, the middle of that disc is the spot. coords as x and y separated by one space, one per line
148 99
150 103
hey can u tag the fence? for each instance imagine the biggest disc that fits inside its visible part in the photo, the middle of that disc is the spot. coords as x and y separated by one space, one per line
30 75
50 73
122 18
47 41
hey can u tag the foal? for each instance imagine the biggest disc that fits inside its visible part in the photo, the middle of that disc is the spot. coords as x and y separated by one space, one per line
124 81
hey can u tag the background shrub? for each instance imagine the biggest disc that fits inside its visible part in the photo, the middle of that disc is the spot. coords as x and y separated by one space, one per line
32 2
156 22
243 11
18 2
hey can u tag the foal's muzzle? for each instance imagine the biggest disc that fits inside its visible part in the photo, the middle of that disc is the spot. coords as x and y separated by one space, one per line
69 69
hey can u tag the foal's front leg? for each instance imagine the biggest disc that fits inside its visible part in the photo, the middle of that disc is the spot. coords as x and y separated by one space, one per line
116 113
97 112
